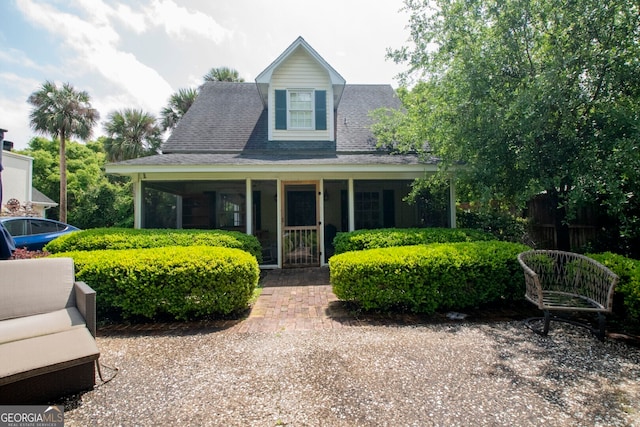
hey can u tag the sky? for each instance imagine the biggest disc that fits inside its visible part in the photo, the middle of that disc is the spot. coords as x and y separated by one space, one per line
136 53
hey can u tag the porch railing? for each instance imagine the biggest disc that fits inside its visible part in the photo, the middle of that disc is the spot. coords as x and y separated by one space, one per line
300 246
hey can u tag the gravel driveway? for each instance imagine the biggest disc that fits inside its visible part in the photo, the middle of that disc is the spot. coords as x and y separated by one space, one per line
444 374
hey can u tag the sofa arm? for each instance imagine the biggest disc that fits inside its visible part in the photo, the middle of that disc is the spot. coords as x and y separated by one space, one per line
86 303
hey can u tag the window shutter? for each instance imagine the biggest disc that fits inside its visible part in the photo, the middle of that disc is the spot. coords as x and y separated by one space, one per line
321 110
281 109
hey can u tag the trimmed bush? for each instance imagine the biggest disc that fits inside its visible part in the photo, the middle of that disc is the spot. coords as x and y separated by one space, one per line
182 282
129 238
426 278
629 285
389 237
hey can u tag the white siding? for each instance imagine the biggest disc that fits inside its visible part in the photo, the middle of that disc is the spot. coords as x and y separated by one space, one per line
16 177
300 71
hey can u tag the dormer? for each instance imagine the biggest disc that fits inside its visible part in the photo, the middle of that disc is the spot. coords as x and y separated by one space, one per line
301 93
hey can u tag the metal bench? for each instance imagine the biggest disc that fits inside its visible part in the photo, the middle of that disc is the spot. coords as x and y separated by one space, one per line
562 282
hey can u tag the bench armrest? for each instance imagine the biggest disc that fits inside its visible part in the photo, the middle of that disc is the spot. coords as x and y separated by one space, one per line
86 303
533 288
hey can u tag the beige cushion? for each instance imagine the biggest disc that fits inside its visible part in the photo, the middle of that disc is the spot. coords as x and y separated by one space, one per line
40 324
47 353
34 286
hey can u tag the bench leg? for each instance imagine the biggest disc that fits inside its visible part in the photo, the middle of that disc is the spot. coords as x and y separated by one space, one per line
602 324
547 321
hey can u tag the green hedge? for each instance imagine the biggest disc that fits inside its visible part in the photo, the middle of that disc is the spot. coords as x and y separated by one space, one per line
629 285
181 282
128 238
426 278
389 237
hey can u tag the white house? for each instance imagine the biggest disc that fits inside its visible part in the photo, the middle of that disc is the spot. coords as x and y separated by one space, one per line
290 158
17 178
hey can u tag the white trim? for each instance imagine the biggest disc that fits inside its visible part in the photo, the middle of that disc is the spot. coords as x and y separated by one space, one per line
249 207
321 220
352 206
279 219
137 201
312 109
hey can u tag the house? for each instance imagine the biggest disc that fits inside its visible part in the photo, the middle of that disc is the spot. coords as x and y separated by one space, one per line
289 158
17 178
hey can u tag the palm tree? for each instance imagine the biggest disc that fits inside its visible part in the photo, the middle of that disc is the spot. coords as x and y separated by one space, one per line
223 74
62 113
131 134
178 105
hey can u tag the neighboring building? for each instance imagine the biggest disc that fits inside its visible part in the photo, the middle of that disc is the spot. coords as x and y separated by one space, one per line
289 158
17 185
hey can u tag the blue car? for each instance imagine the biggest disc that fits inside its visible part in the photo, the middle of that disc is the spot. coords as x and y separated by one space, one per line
34 233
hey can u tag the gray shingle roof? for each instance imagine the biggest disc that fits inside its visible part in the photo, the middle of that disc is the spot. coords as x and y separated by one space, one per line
230 118
262 158
38 197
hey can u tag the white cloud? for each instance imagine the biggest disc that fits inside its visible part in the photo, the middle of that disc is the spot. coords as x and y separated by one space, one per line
96 43
15 118
179 21
133 20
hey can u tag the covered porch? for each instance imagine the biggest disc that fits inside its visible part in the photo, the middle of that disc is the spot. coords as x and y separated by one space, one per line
295 210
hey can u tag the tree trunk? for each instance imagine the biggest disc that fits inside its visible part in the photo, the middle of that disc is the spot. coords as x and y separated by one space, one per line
63 178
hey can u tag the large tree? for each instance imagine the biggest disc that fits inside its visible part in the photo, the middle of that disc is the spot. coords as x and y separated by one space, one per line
223 74
131 133
531 95
179 104
62 112
95 200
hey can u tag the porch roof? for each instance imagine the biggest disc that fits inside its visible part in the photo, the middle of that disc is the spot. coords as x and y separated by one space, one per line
266 161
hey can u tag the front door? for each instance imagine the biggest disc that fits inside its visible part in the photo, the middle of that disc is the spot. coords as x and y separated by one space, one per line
300 242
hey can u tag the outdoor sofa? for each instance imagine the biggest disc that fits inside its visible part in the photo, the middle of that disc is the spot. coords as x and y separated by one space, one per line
47 331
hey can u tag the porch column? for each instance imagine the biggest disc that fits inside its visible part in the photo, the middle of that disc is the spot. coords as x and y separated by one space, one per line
280 222
249 207
452 202
321 219
137 202
352 209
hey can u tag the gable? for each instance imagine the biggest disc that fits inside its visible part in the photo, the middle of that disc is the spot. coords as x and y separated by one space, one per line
300 100
264 78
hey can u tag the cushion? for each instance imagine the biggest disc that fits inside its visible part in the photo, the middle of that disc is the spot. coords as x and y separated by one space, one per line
47 353
34 286
40 324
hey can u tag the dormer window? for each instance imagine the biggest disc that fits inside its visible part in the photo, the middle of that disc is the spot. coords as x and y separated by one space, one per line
301 109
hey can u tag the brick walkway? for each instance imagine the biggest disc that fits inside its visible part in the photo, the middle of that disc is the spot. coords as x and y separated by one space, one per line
291 299
295 299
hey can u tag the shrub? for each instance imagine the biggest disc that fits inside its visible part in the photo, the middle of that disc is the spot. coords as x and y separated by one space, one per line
389 237
629 285
503 226
129 238
425 278
182 282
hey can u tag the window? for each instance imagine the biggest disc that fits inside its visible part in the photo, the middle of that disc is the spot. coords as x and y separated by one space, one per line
17 227
300 109
368 210
231 213
41 227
